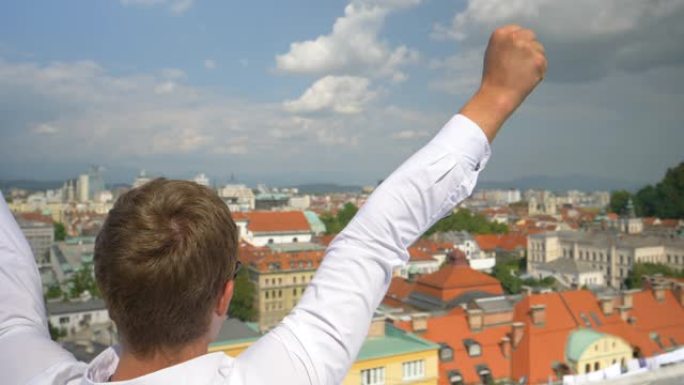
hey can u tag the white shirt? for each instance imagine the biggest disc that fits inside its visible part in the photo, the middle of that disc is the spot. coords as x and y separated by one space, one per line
319 340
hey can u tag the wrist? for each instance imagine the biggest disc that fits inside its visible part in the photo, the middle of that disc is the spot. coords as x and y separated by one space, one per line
489 108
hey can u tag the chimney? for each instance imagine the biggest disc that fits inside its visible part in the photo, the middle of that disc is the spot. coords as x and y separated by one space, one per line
419 322
538 313
606 305
527 290
377 327
627 298
505 347
623 311
679 293
475 319
517 330
659 292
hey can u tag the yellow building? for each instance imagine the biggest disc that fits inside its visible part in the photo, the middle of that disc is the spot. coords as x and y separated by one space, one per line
389 356
280 277
588 350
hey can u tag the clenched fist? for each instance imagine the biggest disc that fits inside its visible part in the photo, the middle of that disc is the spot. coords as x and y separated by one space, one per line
514 64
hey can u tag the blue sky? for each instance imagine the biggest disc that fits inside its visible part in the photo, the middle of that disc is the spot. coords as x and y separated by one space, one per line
328 91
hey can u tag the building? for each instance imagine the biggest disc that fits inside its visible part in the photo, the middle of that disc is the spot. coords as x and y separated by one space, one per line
424 258
614 254
271 201
40 234
75 317
69 255
238 197
280 276
451 286
570 273
83 188
493 245
201 179
141 179
260 228
389 355
540 338
96 184
465 242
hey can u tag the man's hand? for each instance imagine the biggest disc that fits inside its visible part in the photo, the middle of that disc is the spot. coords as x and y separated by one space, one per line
514 64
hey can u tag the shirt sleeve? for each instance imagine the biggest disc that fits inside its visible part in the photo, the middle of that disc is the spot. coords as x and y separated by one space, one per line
25 345
325 331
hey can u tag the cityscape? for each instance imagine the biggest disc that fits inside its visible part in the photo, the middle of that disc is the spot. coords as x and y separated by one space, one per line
564 266
513 287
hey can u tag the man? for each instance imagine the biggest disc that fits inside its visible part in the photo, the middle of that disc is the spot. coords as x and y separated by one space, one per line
166 258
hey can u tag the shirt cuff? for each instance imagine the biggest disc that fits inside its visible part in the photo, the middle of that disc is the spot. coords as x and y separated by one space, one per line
465 138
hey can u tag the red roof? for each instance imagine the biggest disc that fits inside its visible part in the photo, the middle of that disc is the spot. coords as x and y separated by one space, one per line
451 281
419 255
274 221
35 217
398 290
507 242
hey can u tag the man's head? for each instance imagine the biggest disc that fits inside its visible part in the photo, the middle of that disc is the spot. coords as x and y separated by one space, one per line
163 262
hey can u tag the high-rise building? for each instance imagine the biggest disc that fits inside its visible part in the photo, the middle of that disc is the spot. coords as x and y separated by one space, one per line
83 188
95 181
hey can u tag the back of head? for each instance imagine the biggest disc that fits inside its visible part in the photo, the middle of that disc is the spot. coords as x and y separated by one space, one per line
162 259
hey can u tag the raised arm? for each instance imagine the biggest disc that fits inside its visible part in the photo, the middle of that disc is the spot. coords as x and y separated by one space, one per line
324 332
25 345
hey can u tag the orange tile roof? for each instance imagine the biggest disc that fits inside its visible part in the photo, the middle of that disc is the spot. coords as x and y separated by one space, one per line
274 221
507 242
417 254
452 280
453 329
34 216
399 289
302 260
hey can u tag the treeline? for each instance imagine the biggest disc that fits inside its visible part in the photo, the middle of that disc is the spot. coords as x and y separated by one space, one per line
664 200
465 219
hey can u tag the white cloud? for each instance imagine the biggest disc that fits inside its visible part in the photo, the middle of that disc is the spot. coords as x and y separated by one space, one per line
460 74
409 135
165 87
175 6
45 129
353 47
341 94
585 39
209 64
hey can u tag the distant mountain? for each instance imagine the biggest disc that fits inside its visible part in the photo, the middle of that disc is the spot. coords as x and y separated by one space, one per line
563 183
31 185
323 188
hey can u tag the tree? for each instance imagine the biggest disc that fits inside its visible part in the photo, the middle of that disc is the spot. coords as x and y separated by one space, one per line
83 280
336 223
60 231
54 291
618 201
56 333
665 199
242 305
634 278
464 219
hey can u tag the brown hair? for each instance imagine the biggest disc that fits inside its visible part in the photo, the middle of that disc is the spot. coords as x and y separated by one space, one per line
162 258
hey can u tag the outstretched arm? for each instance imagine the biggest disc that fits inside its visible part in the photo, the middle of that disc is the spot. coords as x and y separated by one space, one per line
25 345
319 340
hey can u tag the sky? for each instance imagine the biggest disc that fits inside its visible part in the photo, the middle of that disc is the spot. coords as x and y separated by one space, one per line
289 92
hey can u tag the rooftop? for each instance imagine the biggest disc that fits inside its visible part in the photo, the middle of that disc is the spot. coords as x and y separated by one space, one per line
394 342
568 266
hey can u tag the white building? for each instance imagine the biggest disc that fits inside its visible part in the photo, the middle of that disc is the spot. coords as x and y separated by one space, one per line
260 228
76 316
201 179
83 188
462 240
141 179
571 273
613 254
238 197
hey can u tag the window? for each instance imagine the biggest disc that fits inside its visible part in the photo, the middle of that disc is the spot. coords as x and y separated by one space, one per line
270 240
266 295
294 240
374 376
446 353
472 347
63 320
294 279
413 369
587 368
597 365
